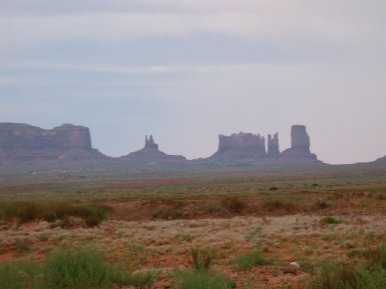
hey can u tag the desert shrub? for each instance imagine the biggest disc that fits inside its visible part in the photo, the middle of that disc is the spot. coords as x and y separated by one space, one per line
21 275
336 276
79 268
376 257
233 204
331 221
201 280
249 260
321 204
69 268
22 245
167 214
51 211
343 276
274 205
202 257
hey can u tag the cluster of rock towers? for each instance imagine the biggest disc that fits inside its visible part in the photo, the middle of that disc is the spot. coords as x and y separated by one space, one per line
244 145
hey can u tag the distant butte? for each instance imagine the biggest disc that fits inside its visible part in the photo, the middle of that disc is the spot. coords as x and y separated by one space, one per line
252 148
151 154
25 142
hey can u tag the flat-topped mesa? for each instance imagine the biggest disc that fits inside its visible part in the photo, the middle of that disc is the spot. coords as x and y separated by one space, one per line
23 141
23 136
150 144
273 145
246 142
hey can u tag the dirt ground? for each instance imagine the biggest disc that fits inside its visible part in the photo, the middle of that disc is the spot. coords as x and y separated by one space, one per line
285 223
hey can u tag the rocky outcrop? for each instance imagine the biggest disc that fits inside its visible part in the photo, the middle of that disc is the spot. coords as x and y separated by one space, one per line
26 142
300 145
273 145
151 154
150 144
251 148
241 145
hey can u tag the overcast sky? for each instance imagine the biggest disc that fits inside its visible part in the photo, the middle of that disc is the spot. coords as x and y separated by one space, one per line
187 70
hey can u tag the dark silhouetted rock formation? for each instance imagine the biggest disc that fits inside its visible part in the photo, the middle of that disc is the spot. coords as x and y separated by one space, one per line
239 146
150 144
26 142
248 147
273 145
300 145
150 154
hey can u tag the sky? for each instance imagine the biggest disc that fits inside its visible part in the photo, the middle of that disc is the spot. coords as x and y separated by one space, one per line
188 70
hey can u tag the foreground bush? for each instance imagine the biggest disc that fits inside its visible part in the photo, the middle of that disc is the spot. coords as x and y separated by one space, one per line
21 275
69 268
195 279
249 260
371 274
233 204
202 257
51 211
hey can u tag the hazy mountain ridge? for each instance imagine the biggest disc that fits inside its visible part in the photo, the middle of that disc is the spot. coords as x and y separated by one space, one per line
26 149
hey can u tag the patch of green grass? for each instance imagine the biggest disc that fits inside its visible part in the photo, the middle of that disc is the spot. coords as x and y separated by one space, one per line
67 268
376 257
332 221
193 279
21 275
249 260
344 276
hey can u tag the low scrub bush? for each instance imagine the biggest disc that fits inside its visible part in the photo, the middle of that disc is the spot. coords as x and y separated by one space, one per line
343 276
321 205
201 280
21 275
202 257
69 268
276 205
249 260
233 204
29 211
376 257
167 214
331 221
370 274
81 268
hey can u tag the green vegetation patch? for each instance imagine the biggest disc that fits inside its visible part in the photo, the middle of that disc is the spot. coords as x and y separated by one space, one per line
68 268
194 279
370 274
332 221
249 260
51 211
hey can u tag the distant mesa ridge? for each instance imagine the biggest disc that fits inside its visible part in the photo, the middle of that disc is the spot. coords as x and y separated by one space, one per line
25 142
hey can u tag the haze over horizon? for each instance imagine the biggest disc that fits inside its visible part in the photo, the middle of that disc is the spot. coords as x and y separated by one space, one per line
187 70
